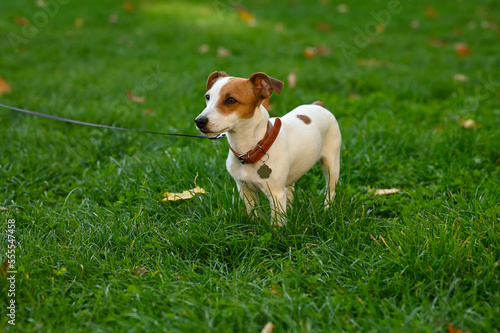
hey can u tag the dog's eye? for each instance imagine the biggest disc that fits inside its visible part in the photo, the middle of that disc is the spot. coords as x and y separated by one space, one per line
230 101
207 97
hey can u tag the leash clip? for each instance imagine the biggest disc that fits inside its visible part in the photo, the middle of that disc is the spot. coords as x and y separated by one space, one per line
220 136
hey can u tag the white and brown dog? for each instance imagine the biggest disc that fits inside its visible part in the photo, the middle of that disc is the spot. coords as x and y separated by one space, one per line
269 155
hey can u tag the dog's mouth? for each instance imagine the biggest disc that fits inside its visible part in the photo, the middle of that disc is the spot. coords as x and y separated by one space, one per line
205 132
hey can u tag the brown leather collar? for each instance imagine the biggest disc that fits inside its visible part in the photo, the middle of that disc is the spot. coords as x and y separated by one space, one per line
254 155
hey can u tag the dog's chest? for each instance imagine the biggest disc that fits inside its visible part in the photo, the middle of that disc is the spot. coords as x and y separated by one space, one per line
247 174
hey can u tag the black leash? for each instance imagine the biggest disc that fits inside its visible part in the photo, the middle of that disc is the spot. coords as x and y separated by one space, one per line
66 120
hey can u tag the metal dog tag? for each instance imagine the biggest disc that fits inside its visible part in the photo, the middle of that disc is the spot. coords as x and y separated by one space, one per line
264 171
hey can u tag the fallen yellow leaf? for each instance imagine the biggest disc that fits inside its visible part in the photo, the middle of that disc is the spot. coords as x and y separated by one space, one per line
268 328
292 80
459 77
223 52
4 269
342 8
462 49
22 21
4 86
188 194
113 18
128 6
430 12
78 22
140 270
437 41
386 191
134 98
309 52
469 123
245 15
453 329
372 62
204 48
325 27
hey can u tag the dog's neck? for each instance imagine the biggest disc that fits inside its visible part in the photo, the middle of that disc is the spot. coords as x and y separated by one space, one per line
249 132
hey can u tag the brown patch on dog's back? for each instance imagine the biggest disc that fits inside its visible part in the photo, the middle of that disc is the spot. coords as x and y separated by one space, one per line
304 118
242 91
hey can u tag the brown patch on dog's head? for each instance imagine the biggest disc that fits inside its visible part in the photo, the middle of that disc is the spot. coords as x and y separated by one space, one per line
212 78
318 103
304 118
243 96
237 96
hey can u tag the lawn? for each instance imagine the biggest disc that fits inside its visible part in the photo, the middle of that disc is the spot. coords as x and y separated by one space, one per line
414 85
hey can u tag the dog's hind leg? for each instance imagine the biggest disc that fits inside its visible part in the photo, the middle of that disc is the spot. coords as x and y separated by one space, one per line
330 161
289 196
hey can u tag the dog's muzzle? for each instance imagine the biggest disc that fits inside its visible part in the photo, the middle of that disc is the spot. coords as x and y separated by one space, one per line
201 122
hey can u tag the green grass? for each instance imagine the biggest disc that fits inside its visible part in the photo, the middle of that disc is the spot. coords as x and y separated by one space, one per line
87 202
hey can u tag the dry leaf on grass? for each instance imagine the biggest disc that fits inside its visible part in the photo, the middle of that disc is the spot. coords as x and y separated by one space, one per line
128 6
22 21
140 270
386 191
4 86
268 328
245 15
469 123
437 41
353 96
309 52
113 18
462 49
188 194
459 77
78 22
134 98
223 52
292 80
204 48
430 12
5 268
325 27
372 62
453 329
342 8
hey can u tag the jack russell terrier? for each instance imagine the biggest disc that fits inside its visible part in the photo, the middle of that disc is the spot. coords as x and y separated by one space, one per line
269 155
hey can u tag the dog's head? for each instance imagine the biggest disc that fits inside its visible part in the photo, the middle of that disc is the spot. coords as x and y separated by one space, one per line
230 99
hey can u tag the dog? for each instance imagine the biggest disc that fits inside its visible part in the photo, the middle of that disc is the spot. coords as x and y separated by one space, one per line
269 155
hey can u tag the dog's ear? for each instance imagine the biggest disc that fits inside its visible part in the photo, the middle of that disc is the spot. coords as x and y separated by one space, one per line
214 77
264 84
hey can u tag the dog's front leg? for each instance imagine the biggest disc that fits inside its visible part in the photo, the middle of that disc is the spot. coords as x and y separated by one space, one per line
250 198
278 203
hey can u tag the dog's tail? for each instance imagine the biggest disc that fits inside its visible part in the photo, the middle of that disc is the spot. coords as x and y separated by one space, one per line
318 103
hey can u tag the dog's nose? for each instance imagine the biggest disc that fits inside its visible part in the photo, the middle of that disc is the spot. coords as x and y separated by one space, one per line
201 122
